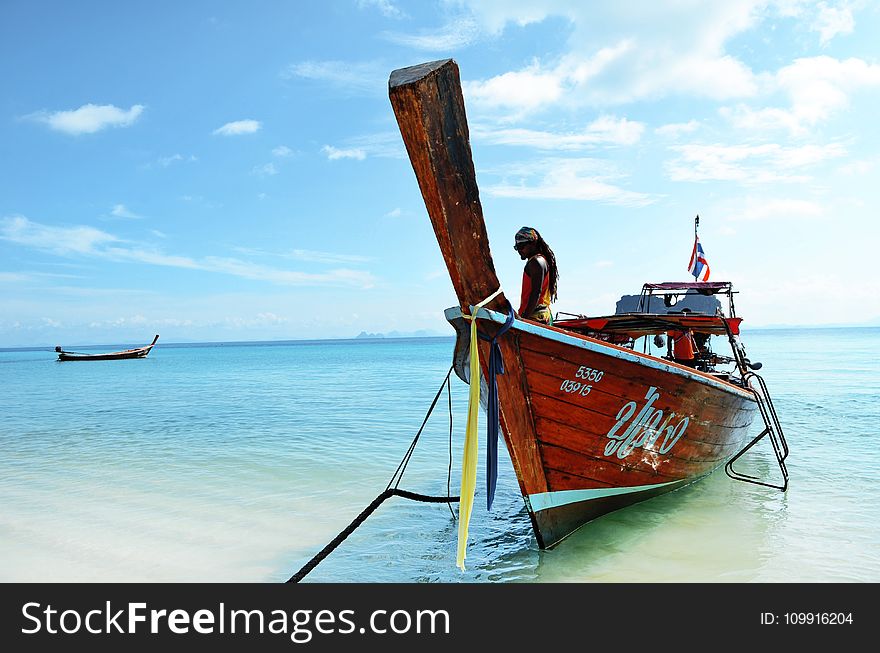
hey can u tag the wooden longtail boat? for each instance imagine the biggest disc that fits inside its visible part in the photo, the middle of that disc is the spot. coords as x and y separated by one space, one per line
139 352
591 424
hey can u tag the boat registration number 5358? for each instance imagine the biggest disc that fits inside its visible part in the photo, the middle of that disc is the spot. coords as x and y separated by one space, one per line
589 373
582 388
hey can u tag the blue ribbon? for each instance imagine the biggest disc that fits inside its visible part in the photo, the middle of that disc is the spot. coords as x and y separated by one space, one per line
496 367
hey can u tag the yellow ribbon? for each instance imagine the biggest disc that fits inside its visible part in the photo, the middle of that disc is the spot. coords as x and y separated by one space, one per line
469 457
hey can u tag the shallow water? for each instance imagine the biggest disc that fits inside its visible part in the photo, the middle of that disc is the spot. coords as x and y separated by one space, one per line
238 462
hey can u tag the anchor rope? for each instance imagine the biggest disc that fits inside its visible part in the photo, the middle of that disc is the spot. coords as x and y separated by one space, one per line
449 469
391 491
398 474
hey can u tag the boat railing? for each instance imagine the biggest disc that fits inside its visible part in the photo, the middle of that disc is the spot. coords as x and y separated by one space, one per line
672 291
772 428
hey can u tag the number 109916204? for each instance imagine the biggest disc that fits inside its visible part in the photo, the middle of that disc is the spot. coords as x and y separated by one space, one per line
588 376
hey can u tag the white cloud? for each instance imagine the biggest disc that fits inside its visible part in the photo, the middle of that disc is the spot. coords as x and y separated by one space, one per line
618 54
259 320
394 213
334 153
819 85
776 209
133 320
89 118
769 119
783 301
382 144
282 151
326 257
832 21
129 321
166 161
495 15
674 130
238 127
386 7
121 211
141 254
570 179
605 130
247 270
61 240
29 277
13 277
522 90
308 255
349 76
858 167
612 76
748 163
87 241
456 34
817 88
266 170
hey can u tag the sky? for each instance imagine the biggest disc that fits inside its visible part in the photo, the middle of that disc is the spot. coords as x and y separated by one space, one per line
232 171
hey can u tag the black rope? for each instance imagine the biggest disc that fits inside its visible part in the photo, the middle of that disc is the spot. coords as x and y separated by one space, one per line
401 468
339 539
449 471
391 491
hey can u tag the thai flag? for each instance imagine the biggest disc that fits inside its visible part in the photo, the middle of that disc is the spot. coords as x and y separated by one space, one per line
698 265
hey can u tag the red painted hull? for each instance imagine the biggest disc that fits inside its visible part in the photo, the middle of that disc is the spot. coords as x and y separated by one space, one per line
592 427
644 426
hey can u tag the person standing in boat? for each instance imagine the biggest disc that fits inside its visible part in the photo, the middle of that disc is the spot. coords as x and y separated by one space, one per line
684 347
539 276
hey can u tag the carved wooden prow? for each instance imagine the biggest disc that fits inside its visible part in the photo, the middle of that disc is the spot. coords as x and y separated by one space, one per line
429 107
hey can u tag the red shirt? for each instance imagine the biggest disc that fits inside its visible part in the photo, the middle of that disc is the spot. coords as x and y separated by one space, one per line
543 297
683 345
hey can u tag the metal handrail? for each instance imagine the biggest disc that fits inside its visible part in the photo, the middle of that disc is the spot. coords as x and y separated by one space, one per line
770 408
772 427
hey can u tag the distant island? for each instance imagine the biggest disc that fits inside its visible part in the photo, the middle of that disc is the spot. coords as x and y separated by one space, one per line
422 333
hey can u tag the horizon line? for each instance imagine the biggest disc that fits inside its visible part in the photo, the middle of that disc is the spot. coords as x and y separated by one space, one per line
382 337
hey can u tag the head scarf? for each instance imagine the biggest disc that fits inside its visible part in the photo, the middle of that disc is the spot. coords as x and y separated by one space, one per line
525 235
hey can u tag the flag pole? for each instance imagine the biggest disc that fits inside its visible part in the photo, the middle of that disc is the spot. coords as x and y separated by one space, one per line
696 224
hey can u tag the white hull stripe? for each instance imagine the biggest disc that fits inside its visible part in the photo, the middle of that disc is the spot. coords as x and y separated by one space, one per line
632 357
547 500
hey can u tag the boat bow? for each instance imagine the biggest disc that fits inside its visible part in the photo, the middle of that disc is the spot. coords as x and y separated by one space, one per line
590 426
429 108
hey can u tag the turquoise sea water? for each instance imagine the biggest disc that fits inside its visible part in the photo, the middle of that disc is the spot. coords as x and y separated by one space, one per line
238 462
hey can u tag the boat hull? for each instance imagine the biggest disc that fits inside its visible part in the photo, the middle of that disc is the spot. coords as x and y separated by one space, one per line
102 357
138 352
592 427
644 426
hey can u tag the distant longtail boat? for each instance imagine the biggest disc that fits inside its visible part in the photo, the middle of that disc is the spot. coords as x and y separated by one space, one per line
140 352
